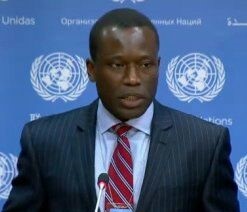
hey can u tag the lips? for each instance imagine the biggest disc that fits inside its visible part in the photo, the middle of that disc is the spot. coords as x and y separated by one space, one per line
131 100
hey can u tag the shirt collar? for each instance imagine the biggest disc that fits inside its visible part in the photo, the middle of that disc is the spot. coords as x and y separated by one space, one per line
106 120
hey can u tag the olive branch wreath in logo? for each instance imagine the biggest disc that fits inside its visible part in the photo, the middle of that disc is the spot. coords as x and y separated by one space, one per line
11 160
46 95
182 96
239 175
122 1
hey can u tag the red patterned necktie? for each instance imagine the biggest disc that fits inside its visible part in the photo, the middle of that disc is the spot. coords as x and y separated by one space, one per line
120 187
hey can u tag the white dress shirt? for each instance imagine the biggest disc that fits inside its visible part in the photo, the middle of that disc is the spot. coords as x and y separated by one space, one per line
106 141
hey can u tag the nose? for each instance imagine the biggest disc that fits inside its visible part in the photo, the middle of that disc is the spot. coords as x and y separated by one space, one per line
132 76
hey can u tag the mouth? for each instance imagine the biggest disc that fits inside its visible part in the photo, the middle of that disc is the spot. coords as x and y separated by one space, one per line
131 101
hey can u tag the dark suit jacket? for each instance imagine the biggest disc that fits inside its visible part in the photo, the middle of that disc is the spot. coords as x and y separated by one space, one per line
188 168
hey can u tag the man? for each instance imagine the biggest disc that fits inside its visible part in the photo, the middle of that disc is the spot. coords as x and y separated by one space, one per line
172 161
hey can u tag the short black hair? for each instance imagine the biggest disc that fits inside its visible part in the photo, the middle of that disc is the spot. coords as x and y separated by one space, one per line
120 18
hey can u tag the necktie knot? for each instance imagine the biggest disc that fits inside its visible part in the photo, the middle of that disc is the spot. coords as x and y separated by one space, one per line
121 129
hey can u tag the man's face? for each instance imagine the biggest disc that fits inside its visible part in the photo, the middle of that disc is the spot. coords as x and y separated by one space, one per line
126 70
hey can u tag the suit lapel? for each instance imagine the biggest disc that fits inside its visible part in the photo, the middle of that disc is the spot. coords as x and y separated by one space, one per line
83 147
160 145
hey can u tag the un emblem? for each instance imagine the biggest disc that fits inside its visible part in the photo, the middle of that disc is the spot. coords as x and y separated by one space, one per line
122 1
241 175
7 172
59 75
195 76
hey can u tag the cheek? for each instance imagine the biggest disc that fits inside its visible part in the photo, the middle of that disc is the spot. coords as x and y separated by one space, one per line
106 89
151 84
108 81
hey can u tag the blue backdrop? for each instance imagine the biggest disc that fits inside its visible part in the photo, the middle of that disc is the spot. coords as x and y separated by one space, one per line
44 44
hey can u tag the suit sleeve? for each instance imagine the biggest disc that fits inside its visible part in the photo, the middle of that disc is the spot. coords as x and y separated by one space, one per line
220 191
26 194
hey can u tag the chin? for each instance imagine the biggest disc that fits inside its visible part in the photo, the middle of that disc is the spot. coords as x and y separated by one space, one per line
129 115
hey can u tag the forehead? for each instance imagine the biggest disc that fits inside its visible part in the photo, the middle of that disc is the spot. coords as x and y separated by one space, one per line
135 32
120 32
127 39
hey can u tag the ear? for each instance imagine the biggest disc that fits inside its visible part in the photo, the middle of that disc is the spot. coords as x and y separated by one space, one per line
90 70
158 66
159 58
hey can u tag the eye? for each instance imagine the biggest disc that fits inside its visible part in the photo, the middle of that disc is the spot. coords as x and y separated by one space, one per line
117 66
146 65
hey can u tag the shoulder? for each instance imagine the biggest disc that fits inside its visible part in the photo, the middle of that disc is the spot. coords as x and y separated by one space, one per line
187 131
188 123
54 130
64 120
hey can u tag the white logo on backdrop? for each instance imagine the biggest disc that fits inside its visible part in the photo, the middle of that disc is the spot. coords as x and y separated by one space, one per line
195 76
241 175
7 172
59 75
122 1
